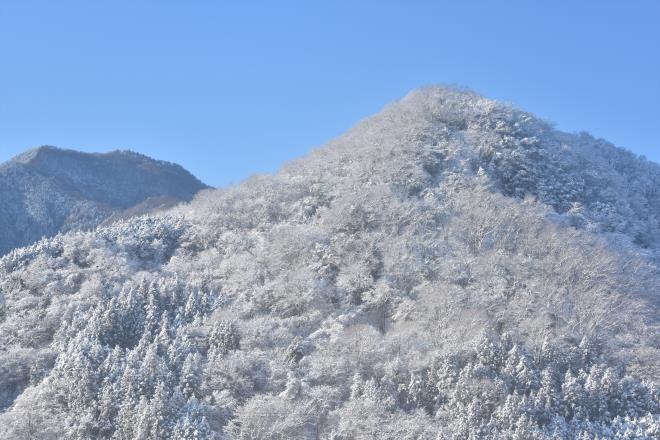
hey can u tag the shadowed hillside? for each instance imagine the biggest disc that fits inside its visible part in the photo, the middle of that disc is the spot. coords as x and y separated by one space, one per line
48 190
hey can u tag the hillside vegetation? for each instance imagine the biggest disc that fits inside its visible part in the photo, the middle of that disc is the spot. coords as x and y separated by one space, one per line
451 268
49 190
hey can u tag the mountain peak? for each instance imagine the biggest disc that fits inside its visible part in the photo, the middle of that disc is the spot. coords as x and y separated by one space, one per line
439 133
34 153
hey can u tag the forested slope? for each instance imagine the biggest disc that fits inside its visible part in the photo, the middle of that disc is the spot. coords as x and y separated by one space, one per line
48 190
451 268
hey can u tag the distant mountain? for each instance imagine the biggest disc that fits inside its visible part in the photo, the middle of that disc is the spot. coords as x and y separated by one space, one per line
451 268
50 190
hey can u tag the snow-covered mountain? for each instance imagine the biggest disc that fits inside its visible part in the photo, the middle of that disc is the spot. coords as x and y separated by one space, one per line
49 190
451 268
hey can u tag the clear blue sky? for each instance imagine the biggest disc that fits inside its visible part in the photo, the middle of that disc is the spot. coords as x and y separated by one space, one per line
229 89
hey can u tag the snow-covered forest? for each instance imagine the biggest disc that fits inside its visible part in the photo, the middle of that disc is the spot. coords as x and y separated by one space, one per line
49 190
451 268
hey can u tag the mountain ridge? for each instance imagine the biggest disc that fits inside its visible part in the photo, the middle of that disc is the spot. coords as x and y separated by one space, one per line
48 190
